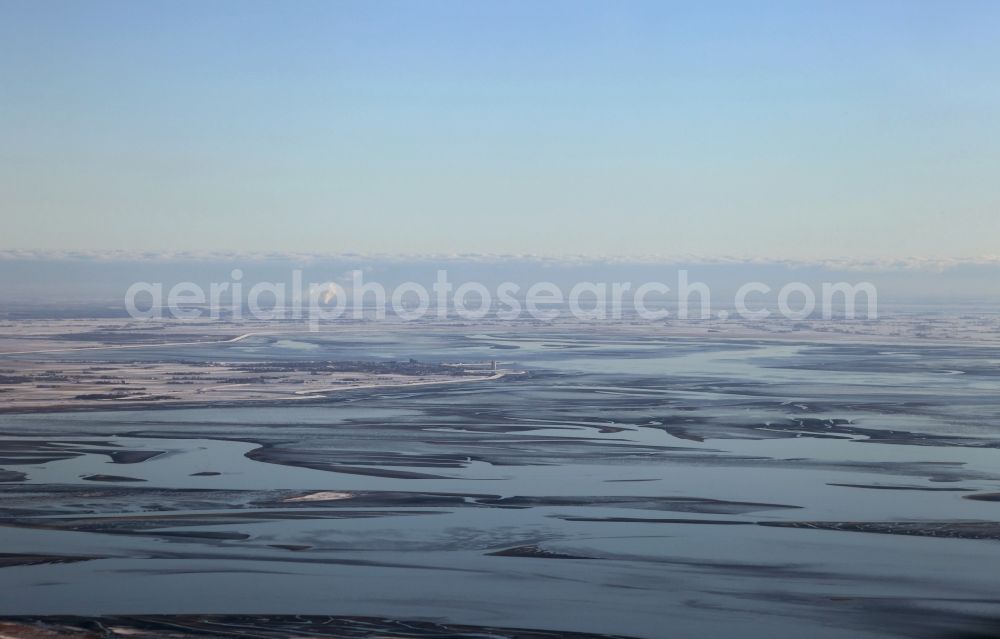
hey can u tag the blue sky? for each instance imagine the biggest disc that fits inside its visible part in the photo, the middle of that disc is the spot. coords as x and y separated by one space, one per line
775 129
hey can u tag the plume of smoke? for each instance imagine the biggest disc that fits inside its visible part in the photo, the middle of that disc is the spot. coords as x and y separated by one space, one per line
329 293
324 293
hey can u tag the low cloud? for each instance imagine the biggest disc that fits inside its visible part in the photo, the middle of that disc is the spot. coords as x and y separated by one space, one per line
933 264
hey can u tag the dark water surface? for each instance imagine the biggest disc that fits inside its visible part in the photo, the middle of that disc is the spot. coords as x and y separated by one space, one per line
622 485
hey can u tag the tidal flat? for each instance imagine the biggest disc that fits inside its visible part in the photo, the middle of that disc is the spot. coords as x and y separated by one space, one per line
617 482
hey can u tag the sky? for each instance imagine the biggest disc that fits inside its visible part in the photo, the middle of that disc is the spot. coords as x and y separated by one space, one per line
787 130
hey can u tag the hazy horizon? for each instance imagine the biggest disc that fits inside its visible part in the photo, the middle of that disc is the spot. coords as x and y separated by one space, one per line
104 277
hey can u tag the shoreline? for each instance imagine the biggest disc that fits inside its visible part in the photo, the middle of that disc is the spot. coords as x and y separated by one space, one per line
303 396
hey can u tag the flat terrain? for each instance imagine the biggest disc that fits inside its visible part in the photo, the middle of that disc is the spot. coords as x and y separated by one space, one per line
627 481
66 376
